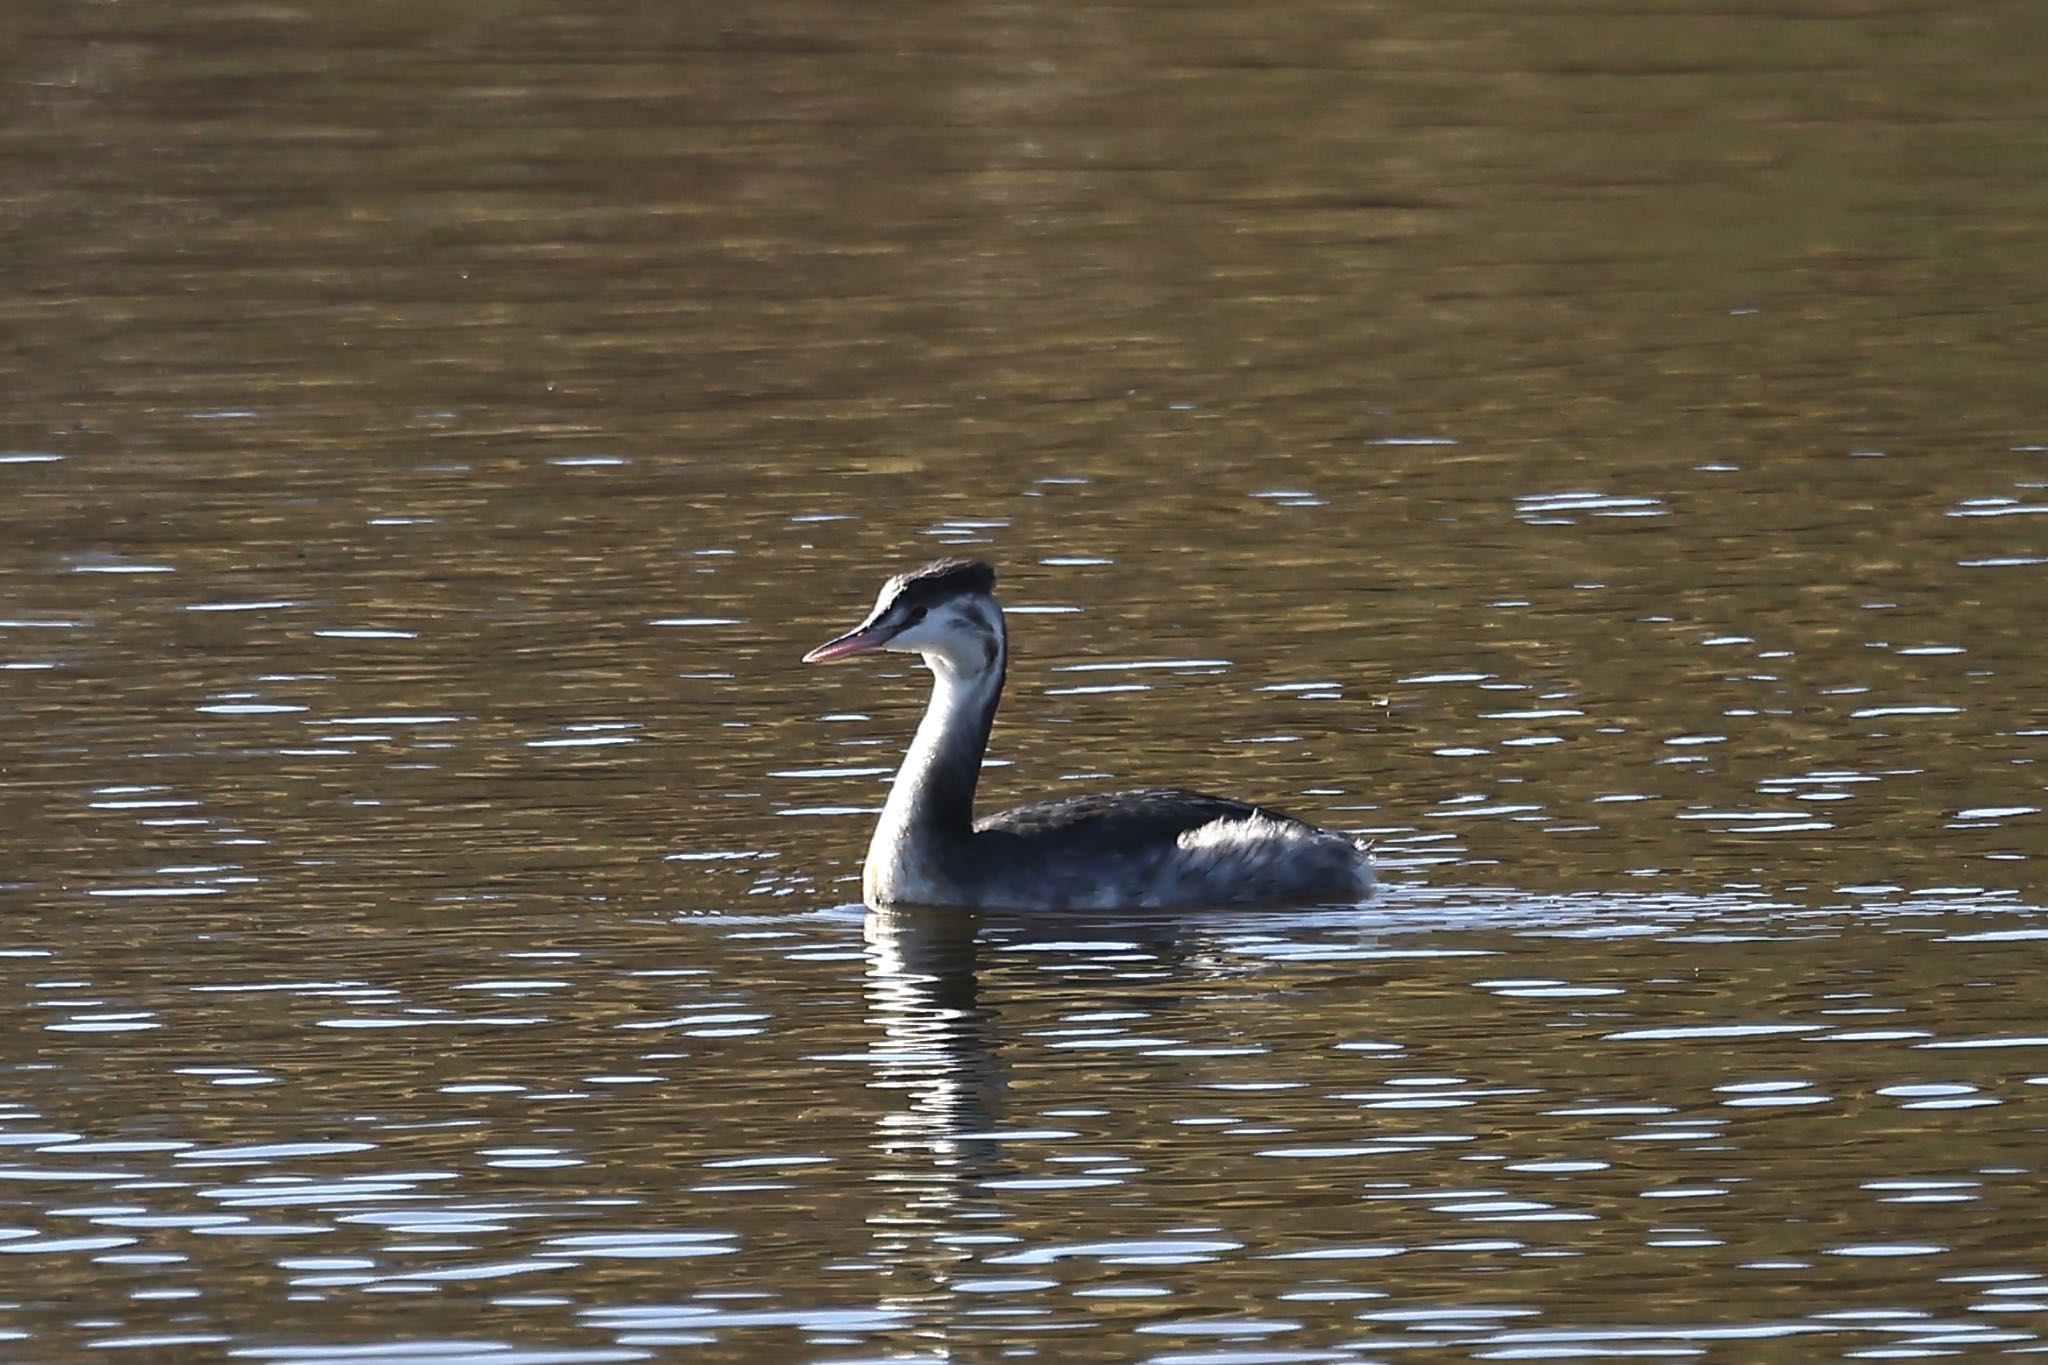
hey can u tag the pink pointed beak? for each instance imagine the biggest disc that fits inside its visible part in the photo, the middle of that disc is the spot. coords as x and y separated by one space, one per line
859 640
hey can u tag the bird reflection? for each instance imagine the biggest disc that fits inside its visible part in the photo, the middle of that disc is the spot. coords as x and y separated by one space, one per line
939 1046
936 1038
944 1136
936 1046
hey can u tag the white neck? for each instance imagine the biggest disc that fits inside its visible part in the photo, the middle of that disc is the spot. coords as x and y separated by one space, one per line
927 823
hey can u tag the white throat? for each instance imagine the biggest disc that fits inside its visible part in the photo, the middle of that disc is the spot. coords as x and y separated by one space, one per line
927 823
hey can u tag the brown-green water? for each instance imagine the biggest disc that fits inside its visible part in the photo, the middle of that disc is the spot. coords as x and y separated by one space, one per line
1600 451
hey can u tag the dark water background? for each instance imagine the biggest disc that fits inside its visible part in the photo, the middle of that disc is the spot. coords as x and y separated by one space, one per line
1597 449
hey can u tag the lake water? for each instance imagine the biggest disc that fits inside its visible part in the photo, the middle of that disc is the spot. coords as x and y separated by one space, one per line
1599 452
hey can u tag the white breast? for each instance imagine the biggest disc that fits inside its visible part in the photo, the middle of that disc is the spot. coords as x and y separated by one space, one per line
897 873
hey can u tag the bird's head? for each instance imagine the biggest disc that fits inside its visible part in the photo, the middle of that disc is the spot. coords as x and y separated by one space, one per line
945 611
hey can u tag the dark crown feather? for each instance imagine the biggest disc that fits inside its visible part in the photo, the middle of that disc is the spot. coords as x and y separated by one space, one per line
940 579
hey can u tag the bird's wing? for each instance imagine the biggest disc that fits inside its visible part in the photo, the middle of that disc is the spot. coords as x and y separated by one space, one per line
1117 820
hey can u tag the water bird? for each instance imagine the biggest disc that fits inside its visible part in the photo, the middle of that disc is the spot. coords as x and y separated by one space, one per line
1162 848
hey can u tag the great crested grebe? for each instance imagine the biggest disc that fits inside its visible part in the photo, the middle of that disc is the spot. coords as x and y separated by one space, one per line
1157 848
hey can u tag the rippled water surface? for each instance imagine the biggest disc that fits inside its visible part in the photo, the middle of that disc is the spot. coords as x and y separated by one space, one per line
1599 453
